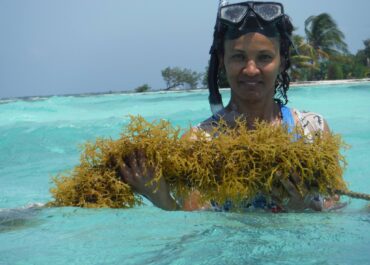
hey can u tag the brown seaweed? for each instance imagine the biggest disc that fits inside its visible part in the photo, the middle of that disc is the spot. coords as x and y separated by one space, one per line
235 165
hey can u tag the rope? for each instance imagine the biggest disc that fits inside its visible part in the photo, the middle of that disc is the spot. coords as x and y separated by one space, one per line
352 194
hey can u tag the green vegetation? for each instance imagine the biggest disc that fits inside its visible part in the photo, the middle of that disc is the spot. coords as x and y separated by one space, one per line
323 55
143 88
323 34
178 78
222 79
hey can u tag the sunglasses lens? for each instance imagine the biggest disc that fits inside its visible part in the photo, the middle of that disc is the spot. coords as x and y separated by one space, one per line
233 14
268 12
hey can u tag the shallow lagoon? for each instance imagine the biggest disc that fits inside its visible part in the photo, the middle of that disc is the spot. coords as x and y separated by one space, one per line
40 138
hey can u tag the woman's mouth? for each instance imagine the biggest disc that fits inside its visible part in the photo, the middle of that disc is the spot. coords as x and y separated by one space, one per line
250 83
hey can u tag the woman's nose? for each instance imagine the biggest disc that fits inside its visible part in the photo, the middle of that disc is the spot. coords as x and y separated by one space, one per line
251 68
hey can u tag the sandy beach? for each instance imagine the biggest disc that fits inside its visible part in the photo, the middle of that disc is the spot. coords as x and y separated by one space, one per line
329 82
292 84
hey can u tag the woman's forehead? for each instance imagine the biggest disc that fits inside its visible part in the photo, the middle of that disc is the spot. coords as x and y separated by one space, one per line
253 40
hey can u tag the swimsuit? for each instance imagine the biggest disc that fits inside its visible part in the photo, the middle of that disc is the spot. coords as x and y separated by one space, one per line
288 118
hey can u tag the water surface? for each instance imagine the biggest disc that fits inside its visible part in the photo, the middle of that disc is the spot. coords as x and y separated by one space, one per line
40 138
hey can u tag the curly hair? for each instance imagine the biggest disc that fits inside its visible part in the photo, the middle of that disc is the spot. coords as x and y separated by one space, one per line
285 28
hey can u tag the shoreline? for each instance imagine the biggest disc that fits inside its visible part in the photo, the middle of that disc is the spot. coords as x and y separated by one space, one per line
329 82
107 93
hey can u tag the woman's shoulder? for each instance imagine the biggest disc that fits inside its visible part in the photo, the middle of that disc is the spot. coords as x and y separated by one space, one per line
210 123
207 125
205 128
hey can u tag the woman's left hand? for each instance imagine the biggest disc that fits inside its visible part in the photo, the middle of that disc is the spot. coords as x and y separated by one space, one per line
301 198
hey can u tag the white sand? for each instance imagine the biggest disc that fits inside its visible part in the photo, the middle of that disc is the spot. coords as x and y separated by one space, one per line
329 82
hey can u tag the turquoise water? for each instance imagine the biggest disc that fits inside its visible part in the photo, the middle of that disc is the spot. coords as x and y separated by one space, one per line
40 138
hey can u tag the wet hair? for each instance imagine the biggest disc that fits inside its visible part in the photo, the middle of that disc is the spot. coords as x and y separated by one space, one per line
282 29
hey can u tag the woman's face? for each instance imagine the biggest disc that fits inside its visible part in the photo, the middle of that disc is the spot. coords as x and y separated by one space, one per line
252 63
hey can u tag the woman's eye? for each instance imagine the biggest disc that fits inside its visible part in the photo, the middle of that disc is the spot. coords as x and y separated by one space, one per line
265 57
238 57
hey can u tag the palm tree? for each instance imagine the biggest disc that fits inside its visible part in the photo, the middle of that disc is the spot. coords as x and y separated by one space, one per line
324 36
364 55
326 39
304 59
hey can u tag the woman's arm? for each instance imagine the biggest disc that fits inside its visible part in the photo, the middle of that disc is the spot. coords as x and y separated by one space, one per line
136 173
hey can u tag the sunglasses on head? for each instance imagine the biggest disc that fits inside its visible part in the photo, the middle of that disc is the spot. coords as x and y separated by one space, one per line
235 13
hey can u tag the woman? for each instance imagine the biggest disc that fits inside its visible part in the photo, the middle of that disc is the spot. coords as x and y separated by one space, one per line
251 44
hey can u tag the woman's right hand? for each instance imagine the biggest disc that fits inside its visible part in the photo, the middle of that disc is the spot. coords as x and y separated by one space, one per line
139 176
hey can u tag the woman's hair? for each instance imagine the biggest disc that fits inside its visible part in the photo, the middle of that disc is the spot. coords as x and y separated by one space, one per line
282 29
285 29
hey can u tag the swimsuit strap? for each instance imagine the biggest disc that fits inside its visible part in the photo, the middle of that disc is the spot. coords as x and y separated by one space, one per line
217 116
287 117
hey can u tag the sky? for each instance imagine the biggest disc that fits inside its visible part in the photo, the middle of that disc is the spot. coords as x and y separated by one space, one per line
55 47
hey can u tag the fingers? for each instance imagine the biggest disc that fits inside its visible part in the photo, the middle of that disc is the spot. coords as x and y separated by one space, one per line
126 173
132 160
141 161
129 169
275 192
134 171
336 197
276 195
296 178
141 178
291 189
316 203
331 202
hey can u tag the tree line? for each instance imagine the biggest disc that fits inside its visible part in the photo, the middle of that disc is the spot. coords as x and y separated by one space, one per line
322 54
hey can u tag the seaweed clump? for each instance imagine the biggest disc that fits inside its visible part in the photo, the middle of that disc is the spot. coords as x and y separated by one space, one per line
225 164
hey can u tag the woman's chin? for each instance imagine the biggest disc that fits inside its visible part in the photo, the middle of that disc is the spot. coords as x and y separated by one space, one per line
250 96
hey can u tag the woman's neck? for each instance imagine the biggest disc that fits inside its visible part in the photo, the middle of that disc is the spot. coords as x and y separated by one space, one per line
268 111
